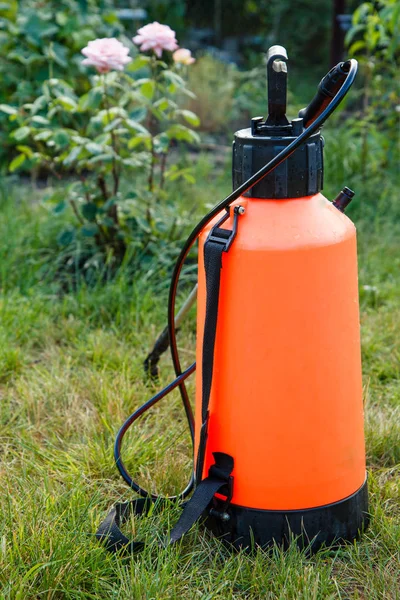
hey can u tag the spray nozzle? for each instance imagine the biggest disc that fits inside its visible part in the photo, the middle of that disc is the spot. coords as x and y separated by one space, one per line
327 89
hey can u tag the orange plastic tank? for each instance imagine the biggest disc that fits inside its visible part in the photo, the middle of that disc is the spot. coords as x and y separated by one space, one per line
286 399
286 396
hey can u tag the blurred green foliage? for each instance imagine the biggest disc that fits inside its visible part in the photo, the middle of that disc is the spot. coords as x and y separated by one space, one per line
375 41
299 26
170 12
213 84
363 151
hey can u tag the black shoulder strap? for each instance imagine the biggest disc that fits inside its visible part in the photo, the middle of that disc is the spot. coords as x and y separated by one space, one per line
219 479
218 242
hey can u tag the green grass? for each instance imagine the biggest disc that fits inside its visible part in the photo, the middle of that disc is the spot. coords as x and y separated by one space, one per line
71 371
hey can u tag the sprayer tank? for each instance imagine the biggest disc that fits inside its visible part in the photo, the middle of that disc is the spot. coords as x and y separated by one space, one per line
286 396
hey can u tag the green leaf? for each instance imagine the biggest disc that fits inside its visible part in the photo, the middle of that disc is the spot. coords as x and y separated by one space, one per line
67 103
138 114
159 115
61 138
59 54
105 157
134 161
61 18
164 103
94 148
43 135
60 207
141 138
21 133
9 110
357 47
190 117
80 140
90 230
143 224
175 173
89 211
26 150
104 117
113 124
182 133
66 237
139 62
161 143
189 177
40 120
174 78
91 100
72 156
136 126
17 162
147 89
39 104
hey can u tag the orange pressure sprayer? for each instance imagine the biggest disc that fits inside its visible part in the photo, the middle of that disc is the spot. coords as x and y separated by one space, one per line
278 427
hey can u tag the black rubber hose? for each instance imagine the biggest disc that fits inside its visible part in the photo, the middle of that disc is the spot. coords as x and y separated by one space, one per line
134 416
352 66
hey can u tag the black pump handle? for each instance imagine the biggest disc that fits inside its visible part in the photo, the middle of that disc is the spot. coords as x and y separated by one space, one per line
327 89
277 85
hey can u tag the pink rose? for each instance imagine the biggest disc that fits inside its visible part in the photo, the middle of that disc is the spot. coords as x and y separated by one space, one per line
183 56
106 54
157 37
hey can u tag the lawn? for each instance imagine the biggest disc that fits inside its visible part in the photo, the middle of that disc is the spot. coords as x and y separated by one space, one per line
71 372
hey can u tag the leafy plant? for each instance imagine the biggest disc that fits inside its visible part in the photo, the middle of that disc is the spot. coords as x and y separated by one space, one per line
124 126
375 40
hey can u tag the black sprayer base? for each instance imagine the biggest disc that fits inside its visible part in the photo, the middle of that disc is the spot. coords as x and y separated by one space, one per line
313 527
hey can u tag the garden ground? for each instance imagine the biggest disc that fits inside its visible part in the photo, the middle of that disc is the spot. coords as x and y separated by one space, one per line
70 373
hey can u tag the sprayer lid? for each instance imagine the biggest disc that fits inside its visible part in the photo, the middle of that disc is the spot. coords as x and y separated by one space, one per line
302 173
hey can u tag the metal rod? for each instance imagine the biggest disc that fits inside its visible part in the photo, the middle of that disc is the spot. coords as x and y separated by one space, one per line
150 363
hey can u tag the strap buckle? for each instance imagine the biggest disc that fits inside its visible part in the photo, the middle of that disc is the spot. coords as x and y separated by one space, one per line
219 510
226 236
227 491
222 469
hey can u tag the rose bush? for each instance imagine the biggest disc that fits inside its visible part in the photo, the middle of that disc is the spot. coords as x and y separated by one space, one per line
121 130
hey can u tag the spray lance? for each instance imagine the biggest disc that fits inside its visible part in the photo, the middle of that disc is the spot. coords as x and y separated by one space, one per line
278 434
